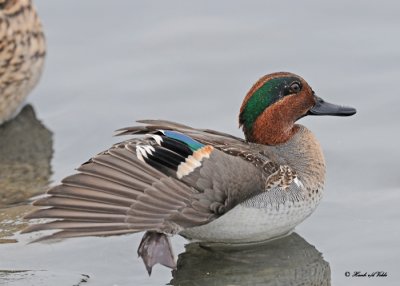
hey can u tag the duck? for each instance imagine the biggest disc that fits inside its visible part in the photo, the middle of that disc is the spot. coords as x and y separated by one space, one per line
208 186
22 54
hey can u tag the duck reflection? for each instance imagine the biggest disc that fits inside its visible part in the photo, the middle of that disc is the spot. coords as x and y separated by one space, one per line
26 148
287 261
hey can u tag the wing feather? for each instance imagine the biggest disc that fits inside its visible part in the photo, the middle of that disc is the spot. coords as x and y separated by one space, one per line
117 192
95 195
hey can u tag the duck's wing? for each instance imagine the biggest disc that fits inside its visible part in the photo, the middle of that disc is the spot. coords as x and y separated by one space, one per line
172 178
206 136
224 142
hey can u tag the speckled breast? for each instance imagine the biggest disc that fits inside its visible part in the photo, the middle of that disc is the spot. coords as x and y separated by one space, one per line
265 216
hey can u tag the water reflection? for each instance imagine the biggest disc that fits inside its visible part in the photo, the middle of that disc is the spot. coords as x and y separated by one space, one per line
287 261
40 277
26 148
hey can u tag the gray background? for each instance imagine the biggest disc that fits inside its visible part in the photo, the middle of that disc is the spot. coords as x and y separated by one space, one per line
112 62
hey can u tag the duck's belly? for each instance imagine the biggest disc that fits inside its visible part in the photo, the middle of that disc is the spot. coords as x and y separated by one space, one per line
249 223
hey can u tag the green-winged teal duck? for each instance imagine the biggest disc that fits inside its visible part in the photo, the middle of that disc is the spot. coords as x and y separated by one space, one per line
202 184
22 52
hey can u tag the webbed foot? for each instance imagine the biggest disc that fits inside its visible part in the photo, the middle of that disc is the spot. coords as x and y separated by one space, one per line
156 248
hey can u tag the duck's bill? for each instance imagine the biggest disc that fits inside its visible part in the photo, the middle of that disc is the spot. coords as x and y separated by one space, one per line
322 107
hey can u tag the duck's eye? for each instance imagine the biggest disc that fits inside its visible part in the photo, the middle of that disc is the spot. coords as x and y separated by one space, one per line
295 87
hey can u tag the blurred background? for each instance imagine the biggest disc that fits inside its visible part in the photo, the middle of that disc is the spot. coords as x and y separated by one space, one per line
111 63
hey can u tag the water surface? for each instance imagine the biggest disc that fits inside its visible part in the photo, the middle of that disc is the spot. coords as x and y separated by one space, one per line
109 64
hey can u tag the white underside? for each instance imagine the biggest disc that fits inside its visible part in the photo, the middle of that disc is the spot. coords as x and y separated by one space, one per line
246 223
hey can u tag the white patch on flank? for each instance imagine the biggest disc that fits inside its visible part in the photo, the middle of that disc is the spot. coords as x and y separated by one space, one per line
157 138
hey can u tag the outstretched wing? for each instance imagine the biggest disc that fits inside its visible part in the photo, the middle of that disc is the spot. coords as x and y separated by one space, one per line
224 142
173 178
205 136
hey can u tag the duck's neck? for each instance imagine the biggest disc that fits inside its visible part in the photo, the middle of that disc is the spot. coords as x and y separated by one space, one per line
303 153
274 126
278 134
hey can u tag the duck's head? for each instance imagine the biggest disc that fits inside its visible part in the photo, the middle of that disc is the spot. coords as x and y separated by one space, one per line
275 102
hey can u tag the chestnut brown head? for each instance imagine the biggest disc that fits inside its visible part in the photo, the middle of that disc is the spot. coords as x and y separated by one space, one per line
276 102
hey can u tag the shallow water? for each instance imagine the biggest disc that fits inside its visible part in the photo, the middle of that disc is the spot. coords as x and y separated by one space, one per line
109 65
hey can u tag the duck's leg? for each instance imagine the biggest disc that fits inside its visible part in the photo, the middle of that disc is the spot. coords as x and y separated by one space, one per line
156 248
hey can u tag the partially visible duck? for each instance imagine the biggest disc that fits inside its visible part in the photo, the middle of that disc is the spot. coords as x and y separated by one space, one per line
202 184
22 52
